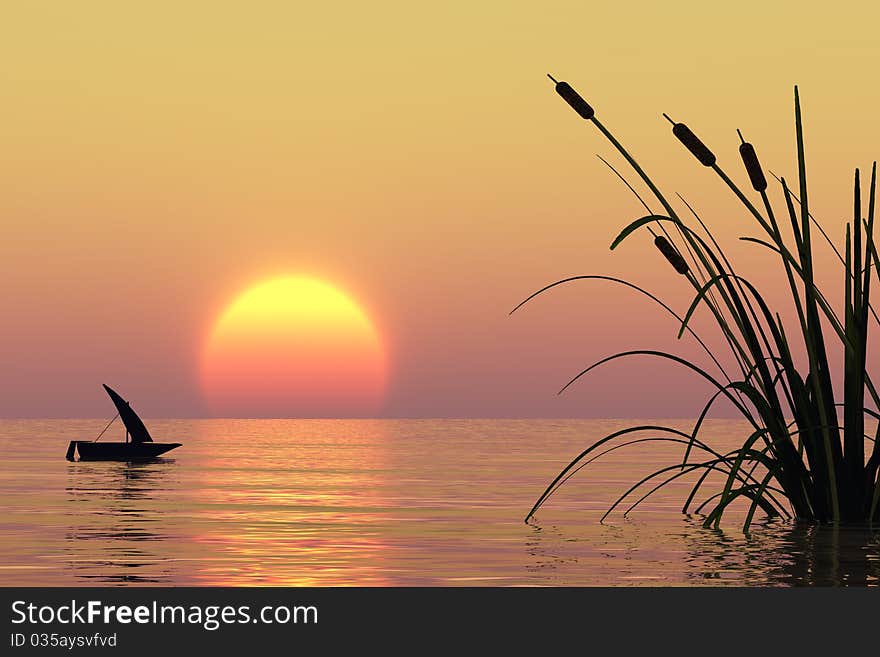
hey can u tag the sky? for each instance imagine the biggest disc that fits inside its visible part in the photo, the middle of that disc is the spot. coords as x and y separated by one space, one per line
158 160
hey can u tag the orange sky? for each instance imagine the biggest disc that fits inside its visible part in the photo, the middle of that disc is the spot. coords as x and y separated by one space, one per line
157 160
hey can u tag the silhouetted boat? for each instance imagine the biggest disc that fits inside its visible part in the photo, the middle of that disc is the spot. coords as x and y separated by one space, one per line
139 447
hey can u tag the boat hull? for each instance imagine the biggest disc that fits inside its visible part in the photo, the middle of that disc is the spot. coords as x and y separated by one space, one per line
93 451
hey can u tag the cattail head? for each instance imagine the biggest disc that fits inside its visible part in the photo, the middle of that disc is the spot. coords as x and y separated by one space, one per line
753 167
573 98
673 256
692 142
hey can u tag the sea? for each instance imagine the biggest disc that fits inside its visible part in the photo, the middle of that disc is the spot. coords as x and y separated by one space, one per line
409 502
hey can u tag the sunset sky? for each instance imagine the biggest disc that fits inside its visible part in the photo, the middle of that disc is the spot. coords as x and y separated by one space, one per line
159 161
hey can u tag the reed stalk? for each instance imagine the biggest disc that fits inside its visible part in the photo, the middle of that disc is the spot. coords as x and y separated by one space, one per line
807 455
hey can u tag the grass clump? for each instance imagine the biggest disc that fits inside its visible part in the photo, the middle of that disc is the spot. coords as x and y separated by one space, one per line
807 456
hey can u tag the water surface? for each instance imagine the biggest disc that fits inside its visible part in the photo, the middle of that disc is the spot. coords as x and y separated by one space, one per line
382 502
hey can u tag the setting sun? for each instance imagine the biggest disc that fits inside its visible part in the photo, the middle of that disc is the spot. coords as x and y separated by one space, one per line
293 347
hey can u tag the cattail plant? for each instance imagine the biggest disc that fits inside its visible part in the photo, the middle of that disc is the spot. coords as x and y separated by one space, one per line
807 455
673 256
692 142
753 167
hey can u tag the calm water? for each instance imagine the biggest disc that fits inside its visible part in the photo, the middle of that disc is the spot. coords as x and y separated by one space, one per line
370 502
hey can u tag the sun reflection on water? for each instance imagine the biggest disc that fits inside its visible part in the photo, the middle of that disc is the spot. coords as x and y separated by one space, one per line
374 503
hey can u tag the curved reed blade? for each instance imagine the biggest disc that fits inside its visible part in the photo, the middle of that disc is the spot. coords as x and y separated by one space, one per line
638 289
661 354
629 443
812 460
596 445
638 223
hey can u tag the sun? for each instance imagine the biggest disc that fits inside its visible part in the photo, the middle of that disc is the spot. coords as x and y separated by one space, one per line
293 346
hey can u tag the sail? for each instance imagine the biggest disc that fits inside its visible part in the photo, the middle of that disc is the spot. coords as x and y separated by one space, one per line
130 419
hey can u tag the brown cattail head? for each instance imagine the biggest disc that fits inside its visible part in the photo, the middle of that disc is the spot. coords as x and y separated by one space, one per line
753 167
673 256
573 98
693 143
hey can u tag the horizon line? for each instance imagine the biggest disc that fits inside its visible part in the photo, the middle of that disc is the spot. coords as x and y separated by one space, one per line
395 417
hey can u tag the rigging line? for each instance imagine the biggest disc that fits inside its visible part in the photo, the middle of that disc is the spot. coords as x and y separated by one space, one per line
107 427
